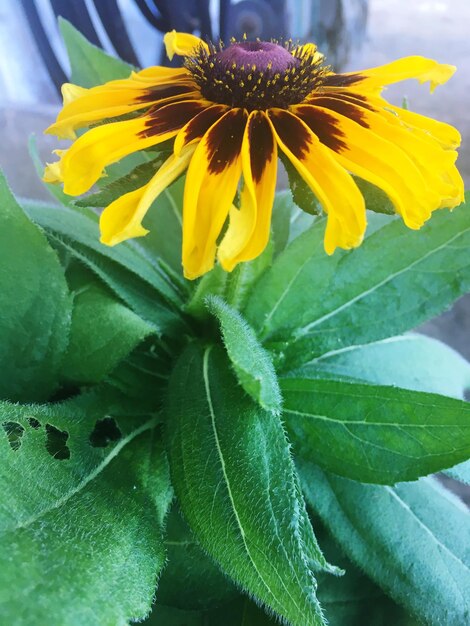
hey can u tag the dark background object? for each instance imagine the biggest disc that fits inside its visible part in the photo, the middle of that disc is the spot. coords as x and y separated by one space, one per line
335 25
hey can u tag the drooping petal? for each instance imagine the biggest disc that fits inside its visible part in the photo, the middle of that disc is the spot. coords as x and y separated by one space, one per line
86 159
409 169
111 100
211 183
122 219
249 228
420 68
329 181
182 44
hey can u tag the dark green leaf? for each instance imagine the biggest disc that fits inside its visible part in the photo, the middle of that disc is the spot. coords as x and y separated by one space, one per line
90 65
375 434
232 471
412 540
81 226
251 362
302 195
102 334
327 303
190 580
409 361
35 308
376 199
81 538
240 612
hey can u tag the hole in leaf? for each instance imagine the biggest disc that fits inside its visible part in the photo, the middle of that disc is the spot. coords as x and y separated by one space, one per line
34 423
104 432
14 432
56 443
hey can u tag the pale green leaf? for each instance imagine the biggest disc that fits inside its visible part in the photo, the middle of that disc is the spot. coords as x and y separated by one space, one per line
374 433
409 361
412 540
235 482
35 308
251 362
460 472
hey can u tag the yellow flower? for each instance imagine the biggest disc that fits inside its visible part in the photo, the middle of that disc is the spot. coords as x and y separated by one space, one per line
227 112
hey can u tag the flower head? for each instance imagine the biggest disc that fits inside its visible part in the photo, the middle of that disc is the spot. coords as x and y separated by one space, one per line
227 113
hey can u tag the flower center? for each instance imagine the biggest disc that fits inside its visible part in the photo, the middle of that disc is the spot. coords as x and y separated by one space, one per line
256 75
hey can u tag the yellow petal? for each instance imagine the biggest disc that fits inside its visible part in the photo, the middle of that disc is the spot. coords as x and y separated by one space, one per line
86 159
417 67
182 44
122 219
115 99
71 92
211 183
331 183
249 227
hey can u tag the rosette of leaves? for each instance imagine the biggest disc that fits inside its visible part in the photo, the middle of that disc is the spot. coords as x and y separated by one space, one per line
250 449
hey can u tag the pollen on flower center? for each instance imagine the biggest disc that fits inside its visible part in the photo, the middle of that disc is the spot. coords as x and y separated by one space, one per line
256 75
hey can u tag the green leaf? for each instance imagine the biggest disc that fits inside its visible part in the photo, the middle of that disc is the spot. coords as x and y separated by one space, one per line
309 304
102 334
81 226
412 540
242 280
302 195
90 65
240 612
83 534
235 482
283 211
35 308
251 362
353 599
375 434
136 293
409 361
376 200
190 580
212 283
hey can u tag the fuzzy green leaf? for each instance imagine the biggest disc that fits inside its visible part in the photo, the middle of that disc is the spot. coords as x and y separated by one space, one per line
35 307
309 304
90 65
103 332
81 226
409 361
251 362
86 524
235 482
460 472
375 434
412 540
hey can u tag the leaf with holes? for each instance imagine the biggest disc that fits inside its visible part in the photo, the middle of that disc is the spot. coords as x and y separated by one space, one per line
309 304
103 333
86 523
251 362
35 308
412 540
236 484
375 434
90 65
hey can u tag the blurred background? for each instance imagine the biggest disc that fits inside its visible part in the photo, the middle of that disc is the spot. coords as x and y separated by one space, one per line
354 34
